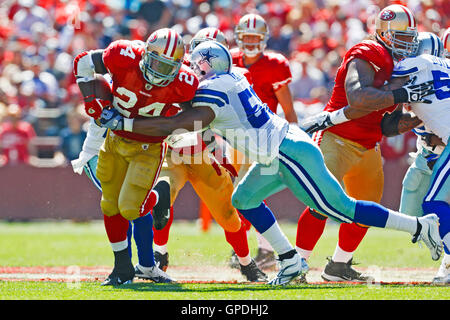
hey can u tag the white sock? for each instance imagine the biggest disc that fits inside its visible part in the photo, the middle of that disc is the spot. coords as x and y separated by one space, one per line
341 255
263 243
303 253
161 249
145 269
119 246
277 239
401 222
245 261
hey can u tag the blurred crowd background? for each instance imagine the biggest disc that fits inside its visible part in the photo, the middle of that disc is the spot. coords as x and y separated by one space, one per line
42 120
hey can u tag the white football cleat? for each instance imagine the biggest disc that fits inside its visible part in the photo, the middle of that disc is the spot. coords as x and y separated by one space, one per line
153 273
443 274
289 270
429 234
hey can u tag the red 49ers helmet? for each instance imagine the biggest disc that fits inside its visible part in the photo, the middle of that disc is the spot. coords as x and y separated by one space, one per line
163 56
252 24
396 28
206 34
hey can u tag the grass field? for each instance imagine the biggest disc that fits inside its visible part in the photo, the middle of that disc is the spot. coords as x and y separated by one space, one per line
67 261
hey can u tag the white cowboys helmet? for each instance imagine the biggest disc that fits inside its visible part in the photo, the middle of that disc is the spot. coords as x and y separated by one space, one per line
163 56
429 43
210 58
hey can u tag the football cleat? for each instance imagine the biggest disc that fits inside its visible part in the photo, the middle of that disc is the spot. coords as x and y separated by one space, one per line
253 273
119 277
162 260
265 259
343 271
289 270
428 233
443 274
154 274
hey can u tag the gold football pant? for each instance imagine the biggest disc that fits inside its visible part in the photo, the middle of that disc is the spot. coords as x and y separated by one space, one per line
359 170
214 190
127 170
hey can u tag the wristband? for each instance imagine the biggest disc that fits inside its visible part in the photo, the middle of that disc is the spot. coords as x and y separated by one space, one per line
128 124
338 116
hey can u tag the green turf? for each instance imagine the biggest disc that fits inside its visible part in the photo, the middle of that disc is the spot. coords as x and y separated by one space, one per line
85 244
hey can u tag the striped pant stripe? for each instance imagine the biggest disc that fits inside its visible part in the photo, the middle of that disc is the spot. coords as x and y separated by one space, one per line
311 188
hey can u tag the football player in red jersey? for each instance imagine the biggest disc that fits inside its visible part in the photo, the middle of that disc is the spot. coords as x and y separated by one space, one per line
351 147
271 75
147 78
187 160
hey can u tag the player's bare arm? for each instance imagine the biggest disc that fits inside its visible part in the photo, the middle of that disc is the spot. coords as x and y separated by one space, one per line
397 122
97 62
192 119
284 97
361 94
86 65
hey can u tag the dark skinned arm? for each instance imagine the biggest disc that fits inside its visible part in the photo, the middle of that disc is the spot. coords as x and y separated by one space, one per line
397 122
87 88
362 97
191 120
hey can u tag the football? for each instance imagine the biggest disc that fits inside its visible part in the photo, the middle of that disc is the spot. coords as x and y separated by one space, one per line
102 88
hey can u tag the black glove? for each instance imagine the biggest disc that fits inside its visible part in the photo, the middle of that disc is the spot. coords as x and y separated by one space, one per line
412 92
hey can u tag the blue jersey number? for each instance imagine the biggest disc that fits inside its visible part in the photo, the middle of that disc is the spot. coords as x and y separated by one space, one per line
441 80
255 109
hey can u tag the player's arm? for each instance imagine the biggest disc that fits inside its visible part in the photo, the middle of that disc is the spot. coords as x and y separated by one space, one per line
363 98
85 66
191 119
398 122
284 97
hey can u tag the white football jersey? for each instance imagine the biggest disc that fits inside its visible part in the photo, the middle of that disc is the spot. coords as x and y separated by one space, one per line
242 119
435 116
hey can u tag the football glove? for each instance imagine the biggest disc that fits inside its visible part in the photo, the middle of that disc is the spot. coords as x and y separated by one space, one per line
412 92
316 122
111 119
323 120
95 106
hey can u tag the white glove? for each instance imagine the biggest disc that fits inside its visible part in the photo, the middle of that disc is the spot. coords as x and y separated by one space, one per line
78 164
323 120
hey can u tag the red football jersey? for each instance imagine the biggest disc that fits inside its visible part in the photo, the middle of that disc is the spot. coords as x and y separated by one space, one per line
366 130
269 73
134 97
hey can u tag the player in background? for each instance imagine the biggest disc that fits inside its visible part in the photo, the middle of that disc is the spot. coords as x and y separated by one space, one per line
351 147
147 78
284 155
271 75
188 160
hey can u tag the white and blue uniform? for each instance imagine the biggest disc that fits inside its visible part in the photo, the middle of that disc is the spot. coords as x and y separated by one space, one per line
284 155
418 176
436 118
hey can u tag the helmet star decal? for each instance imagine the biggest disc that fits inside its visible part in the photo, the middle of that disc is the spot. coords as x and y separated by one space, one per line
207 56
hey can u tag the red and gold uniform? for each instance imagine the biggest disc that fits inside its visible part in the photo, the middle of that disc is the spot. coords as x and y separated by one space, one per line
129 163
351 149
